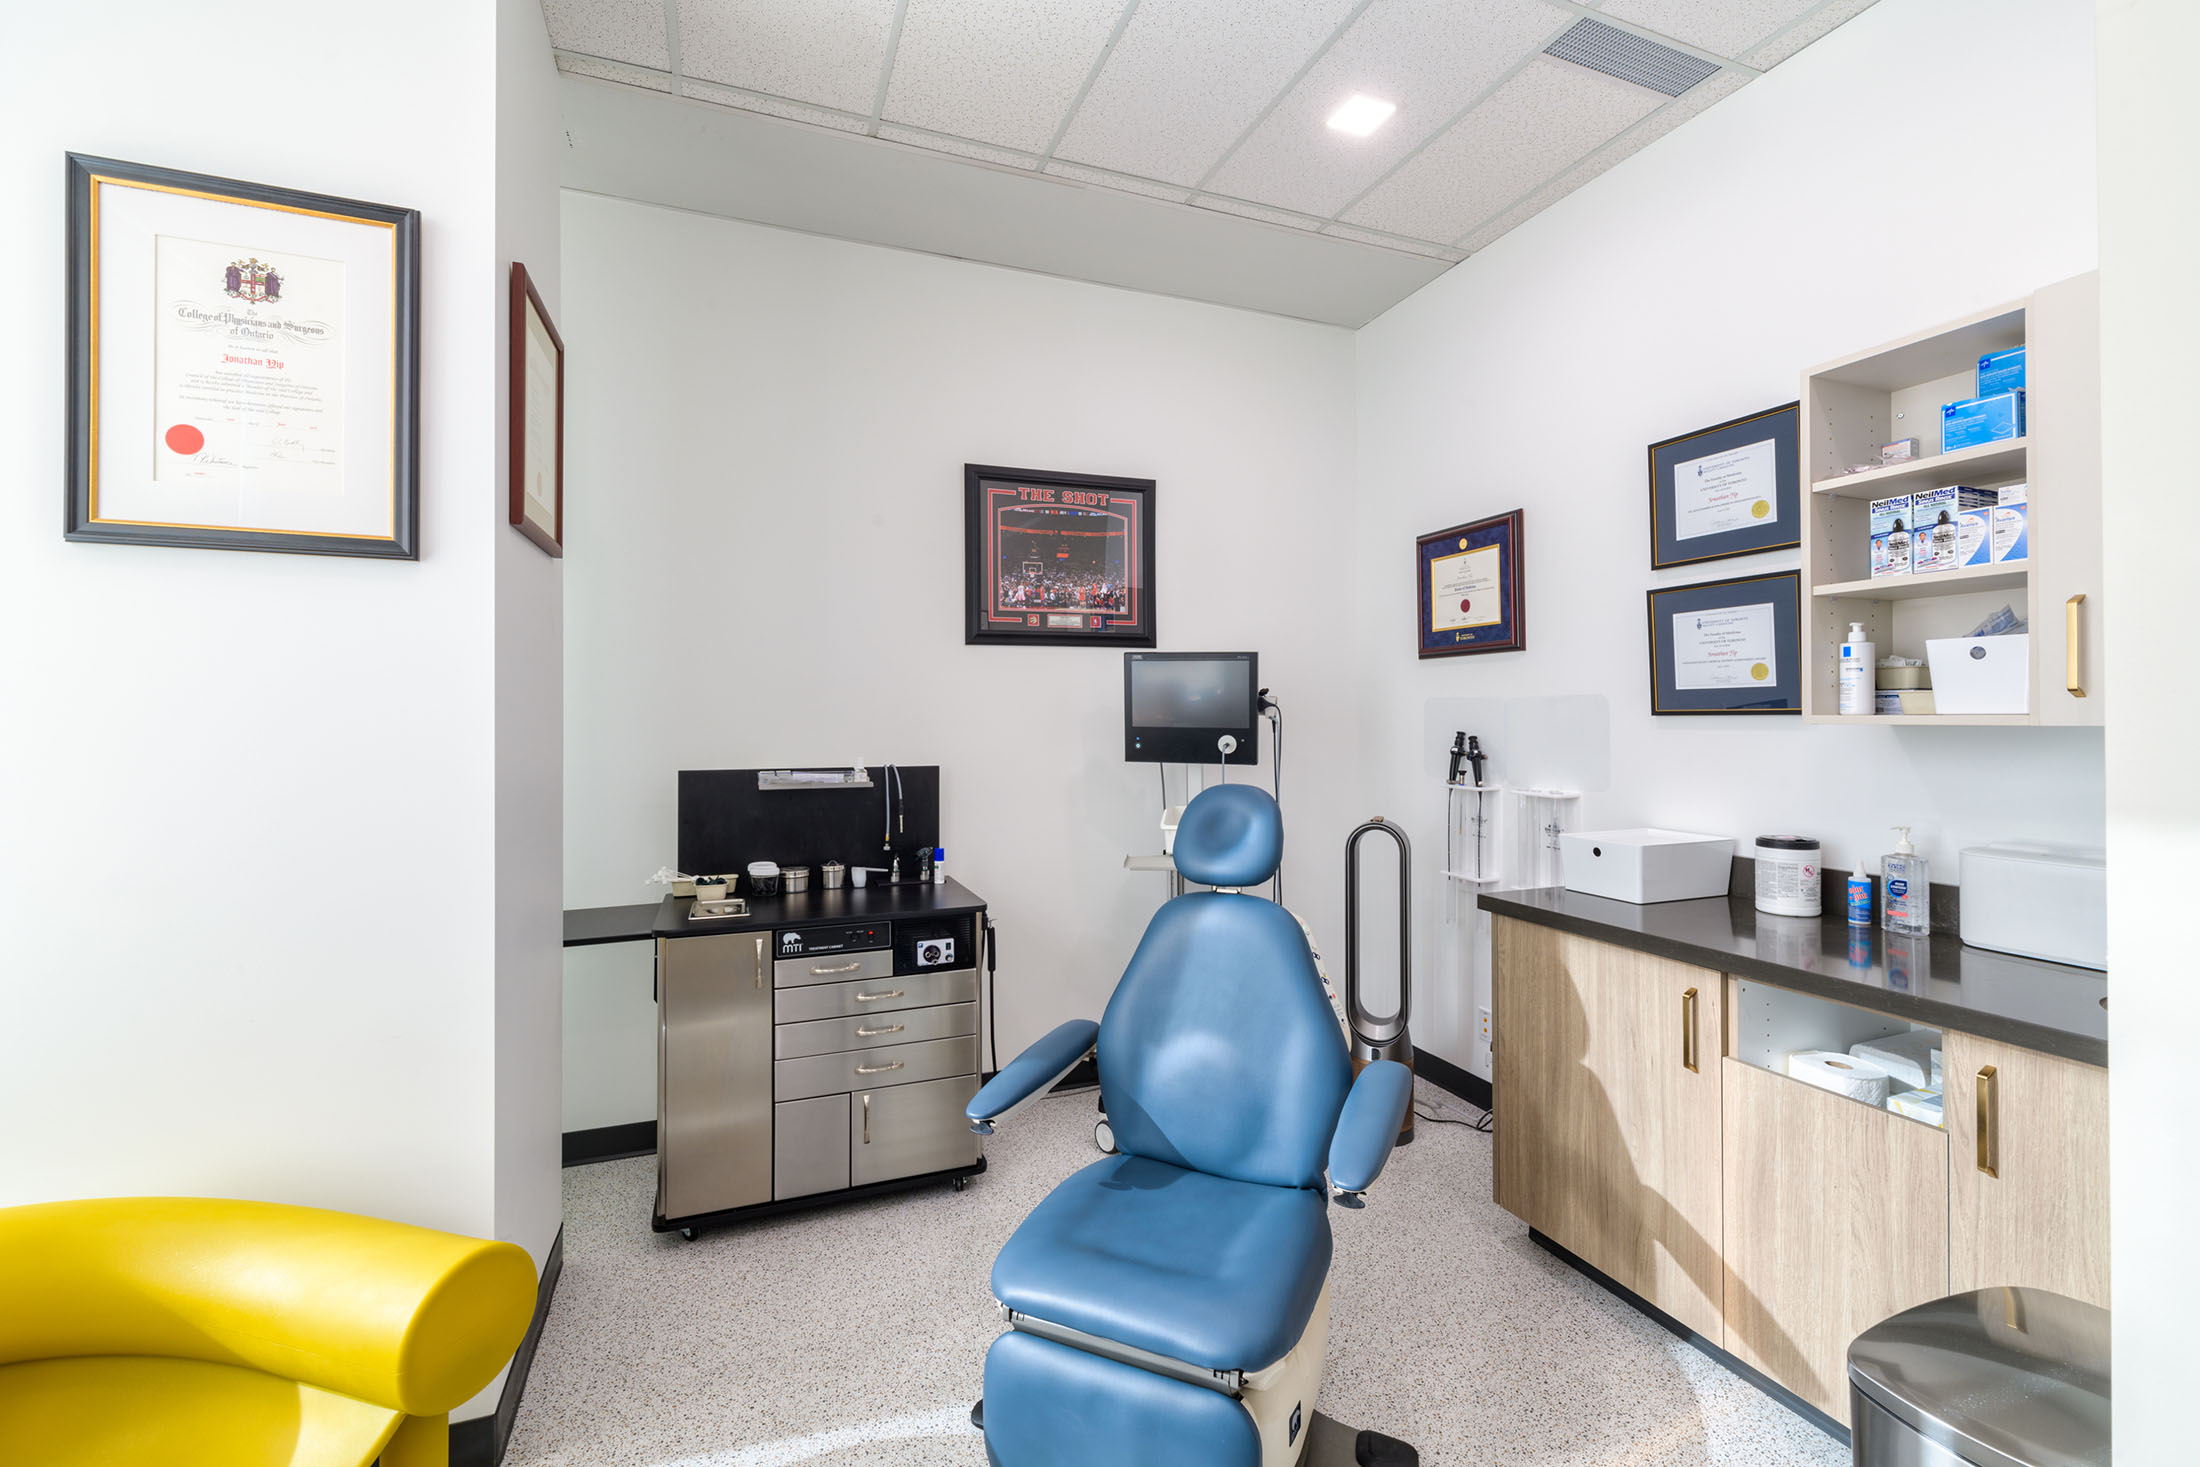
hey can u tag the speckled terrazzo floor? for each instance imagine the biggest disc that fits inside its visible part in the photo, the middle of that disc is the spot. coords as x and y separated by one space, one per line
856 1334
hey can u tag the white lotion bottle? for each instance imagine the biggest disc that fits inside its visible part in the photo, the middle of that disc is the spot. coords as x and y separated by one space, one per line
1859 680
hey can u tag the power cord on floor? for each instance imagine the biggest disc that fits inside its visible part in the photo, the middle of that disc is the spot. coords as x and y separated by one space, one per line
1485 1125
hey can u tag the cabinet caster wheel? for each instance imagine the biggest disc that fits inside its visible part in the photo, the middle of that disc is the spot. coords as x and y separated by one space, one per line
691 1234
959 1183
1103 1136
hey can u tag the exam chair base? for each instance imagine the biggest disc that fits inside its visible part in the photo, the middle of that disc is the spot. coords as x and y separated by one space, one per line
1328 1444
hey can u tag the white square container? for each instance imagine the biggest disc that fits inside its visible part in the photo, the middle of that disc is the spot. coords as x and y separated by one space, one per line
2038 901
1646 865
1981 674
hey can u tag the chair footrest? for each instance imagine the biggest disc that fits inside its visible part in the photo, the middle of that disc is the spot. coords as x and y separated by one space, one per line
1049 1403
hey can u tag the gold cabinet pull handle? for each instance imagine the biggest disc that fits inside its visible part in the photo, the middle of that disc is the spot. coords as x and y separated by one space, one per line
2071 643
1688 1031
1989 1150
759 960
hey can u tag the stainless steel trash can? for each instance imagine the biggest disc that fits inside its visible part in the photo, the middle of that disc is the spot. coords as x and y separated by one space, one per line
1994 1378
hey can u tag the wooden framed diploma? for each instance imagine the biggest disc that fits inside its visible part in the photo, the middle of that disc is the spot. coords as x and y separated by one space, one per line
1472 593
537 447
244 365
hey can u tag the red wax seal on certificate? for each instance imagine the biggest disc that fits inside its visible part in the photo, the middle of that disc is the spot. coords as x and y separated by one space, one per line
1463 605
183 438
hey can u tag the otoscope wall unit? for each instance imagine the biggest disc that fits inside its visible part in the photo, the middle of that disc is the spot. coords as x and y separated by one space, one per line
1856 404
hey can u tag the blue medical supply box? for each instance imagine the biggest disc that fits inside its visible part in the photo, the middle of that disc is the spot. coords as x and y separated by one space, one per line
1981 420
2001 371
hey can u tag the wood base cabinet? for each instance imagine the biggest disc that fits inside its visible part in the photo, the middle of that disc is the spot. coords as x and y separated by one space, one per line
2028 1178
1836 1217
1607 1079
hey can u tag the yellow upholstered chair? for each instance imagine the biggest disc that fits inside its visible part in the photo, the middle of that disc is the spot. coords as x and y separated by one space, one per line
190 1332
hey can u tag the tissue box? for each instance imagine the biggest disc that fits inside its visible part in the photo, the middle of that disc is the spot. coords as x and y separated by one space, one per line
1918 1105
2011 525
2001 371
1891 536
1981 420
1981 674
2038 901
1936 531
1901 451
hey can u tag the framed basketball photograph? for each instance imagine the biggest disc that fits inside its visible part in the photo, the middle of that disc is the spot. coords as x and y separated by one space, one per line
1472 592
1057 559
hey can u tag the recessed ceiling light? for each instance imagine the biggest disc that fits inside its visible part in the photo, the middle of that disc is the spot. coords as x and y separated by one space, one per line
1362 115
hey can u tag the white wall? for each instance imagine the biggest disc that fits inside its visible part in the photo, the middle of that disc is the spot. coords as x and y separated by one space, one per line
291 764
767 435
1926 159
2150 300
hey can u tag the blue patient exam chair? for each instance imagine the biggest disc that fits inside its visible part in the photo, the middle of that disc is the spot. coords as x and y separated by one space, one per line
1169 1305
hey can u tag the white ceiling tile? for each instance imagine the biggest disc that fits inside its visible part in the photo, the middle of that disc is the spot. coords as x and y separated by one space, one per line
999 71
1393 242
1104 179
1188 77
617 30
1722 27
1817 24
775 107
960 147
1528 130
1657 125
825 51
633 76
1431 57
1262 212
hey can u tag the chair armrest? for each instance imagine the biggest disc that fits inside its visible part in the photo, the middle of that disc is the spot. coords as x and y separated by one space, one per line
1032 1073
403 1317
1367 1129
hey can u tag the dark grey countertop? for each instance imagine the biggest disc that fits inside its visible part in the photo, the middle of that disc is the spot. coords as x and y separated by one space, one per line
1932 980
849 904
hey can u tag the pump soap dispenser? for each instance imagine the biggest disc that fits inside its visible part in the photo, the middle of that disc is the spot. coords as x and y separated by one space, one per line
1906 904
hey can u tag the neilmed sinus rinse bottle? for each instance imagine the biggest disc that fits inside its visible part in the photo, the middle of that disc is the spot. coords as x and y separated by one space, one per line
1906 905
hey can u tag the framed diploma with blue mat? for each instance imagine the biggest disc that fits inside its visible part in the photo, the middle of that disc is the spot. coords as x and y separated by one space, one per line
1472 594
1732 489
1727 646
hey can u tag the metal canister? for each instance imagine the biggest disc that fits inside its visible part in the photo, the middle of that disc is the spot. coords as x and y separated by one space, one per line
793 879
835 874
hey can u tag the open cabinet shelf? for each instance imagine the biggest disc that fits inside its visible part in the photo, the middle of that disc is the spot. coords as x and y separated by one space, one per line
1893 391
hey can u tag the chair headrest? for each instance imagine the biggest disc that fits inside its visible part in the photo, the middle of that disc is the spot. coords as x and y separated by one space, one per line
1231 835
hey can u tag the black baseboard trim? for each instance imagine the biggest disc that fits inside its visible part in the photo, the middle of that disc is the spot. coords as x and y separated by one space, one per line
1083 1075
1441 1072
480 1442
611 1143
1674 1327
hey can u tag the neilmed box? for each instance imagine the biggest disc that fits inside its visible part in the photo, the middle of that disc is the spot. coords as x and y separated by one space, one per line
2012 528
1891 536
2001 371
1981 420
1933 531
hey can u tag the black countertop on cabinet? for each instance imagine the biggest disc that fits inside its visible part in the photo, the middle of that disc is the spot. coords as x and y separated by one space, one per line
589 926
1933 980
849 904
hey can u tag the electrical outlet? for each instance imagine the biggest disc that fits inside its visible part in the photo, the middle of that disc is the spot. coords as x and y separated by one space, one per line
1484 1016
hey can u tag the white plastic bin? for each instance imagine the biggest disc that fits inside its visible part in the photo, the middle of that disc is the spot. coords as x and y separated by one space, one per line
1981 674
1646 865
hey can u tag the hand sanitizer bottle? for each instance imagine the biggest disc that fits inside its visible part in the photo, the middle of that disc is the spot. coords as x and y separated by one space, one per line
1907 903
1859 677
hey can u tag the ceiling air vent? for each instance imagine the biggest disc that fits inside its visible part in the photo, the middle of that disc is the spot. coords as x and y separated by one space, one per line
1629 57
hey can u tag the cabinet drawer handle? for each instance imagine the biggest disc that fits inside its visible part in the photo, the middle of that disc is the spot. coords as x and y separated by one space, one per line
880 1029
1688 1031
2071 644
876 1070
1989 1149
866 1120
875 997
817 972
759 960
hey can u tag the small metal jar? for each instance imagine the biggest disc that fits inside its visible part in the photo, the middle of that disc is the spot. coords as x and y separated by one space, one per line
794 879
834 873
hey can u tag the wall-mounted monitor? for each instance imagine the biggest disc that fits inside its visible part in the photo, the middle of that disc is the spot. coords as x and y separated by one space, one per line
1177 706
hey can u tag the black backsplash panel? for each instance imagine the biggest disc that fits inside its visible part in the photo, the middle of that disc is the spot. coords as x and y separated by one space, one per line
727 822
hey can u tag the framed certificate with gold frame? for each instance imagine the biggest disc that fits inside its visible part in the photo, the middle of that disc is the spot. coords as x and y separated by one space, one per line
1472 593
244 365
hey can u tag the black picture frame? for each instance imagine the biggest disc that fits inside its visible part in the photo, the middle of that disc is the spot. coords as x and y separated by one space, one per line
80 489
1782 527
1508 631
1009 602
1781 690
